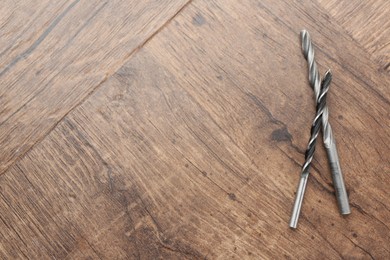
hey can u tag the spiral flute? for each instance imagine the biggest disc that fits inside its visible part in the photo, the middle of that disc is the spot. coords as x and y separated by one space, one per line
328 138
315 129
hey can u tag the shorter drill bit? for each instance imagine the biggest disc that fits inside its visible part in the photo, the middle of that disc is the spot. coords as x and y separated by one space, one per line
315 128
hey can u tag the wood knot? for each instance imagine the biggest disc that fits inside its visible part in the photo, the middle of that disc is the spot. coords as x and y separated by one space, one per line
198 20
281 135
232 196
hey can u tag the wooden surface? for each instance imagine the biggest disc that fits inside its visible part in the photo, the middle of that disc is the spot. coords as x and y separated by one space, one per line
176 129
368 23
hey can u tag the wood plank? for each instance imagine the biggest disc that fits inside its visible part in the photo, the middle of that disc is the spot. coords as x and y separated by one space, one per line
367 22
54 54
193 149
81 209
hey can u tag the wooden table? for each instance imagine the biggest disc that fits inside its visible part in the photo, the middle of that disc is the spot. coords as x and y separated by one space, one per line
176 129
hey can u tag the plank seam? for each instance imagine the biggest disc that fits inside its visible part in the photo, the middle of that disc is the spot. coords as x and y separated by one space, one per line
126 59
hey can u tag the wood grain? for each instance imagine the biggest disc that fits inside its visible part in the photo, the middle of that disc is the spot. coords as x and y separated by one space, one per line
192 149
53 54
368 23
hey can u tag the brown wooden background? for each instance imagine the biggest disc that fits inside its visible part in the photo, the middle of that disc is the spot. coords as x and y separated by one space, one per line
176 129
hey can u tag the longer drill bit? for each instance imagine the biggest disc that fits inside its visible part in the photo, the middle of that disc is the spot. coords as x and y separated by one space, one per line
315 129
328 138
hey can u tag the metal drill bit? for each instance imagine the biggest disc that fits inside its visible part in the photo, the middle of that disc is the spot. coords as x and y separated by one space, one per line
328 138
315 129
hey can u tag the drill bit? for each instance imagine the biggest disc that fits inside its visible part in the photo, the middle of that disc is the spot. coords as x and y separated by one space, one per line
315 129
328 138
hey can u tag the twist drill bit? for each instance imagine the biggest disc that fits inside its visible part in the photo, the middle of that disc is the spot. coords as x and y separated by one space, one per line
328 138
315 129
